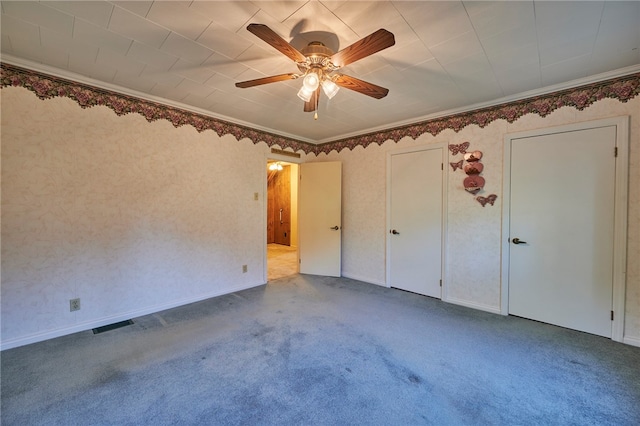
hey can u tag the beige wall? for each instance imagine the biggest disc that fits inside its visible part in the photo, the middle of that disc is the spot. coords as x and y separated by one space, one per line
130 216
473 257
134 217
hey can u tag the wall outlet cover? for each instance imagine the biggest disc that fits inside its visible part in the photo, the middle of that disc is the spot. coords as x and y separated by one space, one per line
74 305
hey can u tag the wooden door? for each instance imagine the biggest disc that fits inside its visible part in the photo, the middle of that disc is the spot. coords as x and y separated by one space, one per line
562 228
320 218
415 232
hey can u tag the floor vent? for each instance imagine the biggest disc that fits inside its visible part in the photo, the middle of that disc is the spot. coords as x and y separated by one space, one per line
112 326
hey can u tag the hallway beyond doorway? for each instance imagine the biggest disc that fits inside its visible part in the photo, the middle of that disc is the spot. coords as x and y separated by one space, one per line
282 261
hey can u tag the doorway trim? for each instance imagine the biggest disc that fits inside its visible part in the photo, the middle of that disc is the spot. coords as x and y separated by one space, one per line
271 156
445 176
620 212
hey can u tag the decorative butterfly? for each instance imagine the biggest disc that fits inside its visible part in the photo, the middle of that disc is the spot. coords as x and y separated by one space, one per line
489 199
457 165
460 148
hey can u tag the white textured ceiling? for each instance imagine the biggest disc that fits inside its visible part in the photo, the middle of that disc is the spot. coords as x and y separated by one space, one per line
448 55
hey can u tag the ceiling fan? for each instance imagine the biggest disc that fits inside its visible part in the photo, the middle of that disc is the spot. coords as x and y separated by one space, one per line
318 65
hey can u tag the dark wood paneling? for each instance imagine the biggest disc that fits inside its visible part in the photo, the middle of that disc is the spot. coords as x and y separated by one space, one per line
279 207
270 207
282 202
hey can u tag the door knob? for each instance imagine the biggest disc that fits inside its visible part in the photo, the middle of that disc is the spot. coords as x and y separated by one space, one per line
394 232
518 241
335 228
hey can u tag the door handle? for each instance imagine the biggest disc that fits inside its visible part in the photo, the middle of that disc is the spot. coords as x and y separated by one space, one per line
394 232
518 241
335 228
280 216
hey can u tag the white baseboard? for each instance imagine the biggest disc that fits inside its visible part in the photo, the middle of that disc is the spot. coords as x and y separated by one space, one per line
473 305
633 341
466 303
363 279
88 325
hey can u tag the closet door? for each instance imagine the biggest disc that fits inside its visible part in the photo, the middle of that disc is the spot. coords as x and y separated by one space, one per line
561 232
415 224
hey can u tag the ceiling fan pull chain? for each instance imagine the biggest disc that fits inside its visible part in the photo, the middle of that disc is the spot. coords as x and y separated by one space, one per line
317 102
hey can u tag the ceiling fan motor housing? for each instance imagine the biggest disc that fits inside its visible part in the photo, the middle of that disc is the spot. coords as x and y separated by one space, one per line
318 56
316 49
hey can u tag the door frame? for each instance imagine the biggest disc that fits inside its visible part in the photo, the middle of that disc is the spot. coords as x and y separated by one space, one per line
620 211
443 244
272 156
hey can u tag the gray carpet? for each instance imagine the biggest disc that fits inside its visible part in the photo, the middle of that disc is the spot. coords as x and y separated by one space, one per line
312 350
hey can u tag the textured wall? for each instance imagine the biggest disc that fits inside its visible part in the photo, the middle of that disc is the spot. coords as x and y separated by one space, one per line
127 215
474 233
132 216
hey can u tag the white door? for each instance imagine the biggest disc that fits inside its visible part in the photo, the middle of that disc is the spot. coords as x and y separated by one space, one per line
320 218
562 228
415 232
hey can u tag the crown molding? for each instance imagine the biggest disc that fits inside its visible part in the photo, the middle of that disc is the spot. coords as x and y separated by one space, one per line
623 84
622 88
88 81
621 72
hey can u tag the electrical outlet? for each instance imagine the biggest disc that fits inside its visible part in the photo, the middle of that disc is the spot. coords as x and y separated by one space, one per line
244 268
74 305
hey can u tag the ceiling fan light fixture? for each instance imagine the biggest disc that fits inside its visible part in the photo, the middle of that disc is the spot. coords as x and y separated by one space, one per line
305 94
329 88
311 81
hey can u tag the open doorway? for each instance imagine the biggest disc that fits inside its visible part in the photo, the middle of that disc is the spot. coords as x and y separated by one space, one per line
282 219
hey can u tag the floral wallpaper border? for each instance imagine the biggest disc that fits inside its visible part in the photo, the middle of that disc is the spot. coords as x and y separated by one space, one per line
621 88
46 87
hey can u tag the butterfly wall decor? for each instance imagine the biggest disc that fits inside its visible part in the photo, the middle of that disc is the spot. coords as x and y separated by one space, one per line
460 148
488 199
473 183
457 165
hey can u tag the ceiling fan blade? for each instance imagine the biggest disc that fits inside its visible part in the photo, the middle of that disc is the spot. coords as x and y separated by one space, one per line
266 80
361 86
269 36
369 45
313 102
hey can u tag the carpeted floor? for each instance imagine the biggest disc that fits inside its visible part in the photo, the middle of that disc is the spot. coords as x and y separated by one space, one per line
308 350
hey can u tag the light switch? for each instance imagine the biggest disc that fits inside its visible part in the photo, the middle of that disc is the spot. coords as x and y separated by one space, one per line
255 196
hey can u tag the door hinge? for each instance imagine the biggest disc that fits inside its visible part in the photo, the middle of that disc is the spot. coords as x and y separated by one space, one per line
615 151
440 283
611 315
441 166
